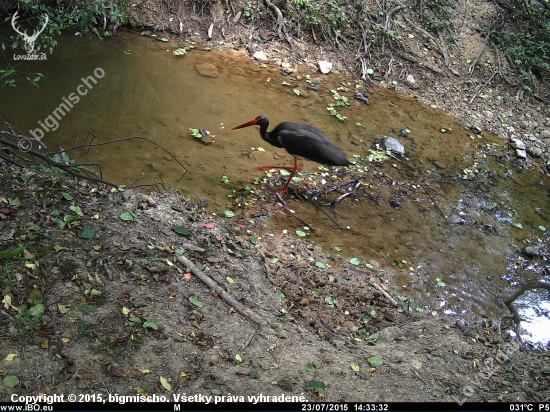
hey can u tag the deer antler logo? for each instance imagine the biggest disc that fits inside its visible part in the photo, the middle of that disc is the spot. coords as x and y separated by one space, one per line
29 40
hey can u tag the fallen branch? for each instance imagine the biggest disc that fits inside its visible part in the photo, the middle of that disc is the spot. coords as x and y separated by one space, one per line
383 292
482 87
474 64
226 297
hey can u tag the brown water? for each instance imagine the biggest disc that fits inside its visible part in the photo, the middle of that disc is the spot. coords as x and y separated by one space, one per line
157 95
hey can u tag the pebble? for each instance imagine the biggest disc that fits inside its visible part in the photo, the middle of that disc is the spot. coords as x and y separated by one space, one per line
393 144
260 56
324 66
545 134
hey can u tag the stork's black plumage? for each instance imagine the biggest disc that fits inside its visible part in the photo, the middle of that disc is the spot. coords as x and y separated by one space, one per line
299 139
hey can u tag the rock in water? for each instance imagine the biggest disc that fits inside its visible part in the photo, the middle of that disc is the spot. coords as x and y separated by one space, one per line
207 70
393 144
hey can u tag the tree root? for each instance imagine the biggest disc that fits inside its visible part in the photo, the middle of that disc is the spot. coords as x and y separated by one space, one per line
280 25
526 286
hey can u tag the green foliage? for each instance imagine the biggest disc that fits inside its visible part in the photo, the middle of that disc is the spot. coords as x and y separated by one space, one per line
437 16
525 36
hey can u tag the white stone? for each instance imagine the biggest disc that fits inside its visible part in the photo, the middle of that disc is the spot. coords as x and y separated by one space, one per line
324 66
260 56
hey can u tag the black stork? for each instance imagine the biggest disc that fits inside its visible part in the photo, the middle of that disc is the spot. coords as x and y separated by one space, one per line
299 139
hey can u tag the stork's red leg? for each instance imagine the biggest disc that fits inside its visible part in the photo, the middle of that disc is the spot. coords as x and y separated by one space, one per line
294 170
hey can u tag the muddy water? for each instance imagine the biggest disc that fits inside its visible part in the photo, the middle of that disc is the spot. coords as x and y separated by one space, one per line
417 220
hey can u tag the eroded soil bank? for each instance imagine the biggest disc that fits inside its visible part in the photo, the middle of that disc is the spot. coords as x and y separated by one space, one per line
121 315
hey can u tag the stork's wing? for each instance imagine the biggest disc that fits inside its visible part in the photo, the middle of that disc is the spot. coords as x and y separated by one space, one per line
306 141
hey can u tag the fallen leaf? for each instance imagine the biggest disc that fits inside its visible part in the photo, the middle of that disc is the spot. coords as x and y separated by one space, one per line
164 382
187 276
11 357
208 225
354 366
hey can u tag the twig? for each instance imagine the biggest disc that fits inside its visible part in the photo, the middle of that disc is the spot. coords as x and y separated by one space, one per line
377 286
474 64
226 297
482 87
283 203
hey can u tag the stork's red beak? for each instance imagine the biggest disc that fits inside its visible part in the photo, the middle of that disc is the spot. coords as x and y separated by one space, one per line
250 123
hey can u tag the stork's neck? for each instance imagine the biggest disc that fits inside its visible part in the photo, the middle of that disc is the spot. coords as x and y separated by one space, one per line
264 124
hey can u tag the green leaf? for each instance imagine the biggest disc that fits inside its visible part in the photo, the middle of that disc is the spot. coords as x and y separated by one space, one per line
87 233
286 384
195 301
330 301
440 282
69 218
66 196
300 233
35 297
355 261
150 325
64 308
77 210
180 230
229 213
375 362
128 216
310 367
337 249
254 374
372 338
518 225
230 280
216 391
254 240
176 207
315 384
58 248
265 364
320 265
274 260
134 319
11 381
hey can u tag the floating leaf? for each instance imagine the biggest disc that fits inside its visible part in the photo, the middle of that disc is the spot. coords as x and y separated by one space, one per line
87 233
355 261
229 213
164 382
181 230
518 225
195 301
375 362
